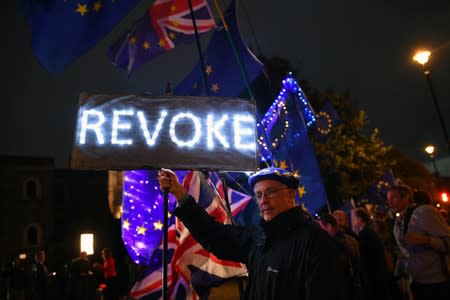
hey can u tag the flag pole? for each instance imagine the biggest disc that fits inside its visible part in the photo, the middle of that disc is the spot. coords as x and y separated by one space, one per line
238 60
199 48
233 47
226 198
165 244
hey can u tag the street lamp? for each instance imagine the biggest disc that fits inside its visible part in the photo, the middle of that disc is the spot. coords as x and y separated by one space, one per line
422 57
430 150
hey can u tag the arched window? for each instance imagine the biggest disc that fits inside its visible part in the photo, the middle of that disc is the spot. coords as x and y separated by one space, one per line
32 189
33 235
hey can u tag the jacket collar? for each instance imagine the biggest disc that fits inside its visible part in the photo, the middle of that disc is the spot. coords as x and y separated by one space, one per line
284 222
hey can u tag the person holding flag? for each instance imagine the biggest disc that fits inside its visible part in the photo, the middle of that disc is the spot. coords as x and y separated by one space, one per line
286 257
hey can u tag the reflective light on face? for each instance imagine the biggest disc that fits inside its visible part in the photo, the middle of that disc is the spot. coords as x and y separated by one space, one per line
215 129
116 125
197 127
143 120
243 131
96 127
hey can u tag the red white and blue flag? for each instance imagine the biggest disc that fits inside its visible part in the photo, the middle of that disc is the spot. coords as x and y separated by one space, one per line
193 270
165 24
175 16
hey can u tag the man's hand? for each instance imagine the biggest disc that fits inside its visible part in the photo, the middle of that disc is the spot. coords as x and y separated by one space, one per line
169 180
414 239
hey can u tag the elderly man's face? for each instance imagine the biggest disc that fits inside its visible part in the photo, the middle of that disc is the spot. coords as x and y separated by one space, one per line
396 202
273 198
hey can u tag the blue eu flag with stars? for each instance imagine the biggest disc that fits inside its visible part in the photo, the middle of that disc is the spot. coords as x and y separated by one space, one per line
222 68
284 138
62 31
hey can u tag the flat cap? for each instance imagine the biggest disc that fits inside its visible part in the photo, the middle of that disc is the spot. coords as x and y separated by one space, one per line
286 177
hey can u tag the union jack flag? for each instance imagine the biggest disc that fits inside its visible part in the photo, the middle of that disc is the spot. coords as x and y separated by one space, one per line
165 24
193 270
174 15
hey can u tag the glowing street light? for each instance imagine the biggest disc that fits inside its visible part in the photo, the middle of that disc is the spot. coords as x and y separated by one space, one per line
431 151
422 57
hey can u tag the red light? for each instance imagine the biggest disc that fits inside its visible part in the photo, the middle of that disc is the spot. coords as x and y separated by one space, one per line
444 197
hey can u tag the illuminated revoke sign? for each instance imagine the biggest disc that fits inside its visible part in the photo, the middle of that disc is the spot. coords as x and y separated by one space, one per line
131 132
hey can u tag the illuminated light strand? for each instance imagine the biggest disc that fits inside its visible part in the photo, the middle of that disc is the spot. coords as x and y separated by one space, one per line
243 132
96 126
197 128
289 85
116 125
214 129
151 140
324 115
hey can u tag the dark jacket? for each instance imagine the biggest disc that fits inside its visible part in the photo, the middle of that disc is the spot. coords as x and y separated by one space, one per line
286 257
373 265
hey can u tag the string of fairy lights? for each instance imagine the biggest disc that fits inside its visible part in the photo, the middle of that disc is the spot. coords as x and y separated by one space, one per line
279 110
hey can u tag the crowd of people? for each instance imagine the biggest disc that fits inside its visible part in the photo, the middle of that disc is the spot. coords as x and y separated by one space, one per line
398 254
82 279
362 254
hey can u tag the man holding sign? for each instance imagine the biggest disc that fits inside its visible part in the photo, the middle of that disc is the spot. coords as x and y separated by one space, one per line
286 257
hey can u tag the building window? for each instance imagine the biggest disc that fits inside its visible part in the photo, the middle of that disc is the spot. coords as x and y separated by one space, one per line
33 235
32 189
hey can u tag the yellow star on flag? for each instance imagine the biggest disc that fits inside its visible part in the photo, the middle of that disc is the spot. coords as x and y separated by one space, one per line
126 224
215 87
161 43
146 45
172 35
82 9
97 5
141 230
158 225
173 8
283 164
301 190
209 70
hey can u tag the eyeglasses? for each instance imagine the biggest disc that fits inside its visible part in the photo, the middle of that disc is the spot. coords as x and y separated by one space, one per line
269 193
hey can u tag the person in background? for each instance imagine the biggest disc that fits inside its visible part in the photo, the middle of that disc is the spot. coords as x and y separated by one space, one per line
286 257
81 273
39 277
110 275
423 236
343 222
349 254
373 265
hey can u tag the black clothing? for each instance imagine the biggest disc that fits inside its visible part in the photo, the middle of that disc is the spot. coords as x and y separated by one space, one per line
436 291
286 257
39 281
373 265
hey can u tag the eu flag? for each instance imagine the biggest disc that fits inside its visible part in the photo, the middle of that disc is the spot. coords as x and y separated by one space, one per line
287 141
64 30
222 68
327 119
377 192
165 24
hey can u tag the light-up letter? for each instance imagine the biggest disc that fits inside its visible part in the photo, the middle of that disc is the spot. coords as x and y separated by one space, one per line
93 126
151 140
116 125
216 130
243 131
197 128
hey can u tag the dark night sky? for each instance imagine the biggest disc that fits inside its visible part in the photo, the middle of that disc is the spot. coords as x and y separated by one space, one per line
362 45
